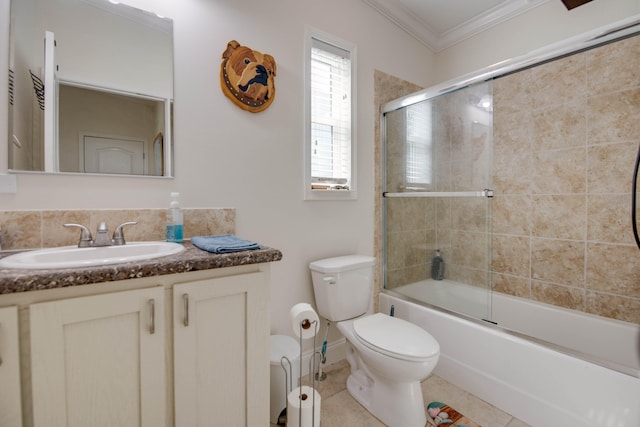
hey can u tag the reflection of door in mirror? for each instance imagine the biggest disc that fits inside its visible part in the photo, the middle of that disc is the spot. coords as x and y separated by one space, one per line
85 111
112 155
101 47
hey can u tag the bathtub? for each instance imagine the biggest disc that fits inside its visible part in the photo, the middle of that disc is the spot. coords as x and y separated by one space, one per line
538 380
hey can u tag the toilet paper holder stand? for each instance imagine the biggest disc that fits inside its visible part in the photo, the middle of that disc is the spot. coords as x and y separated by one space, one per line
285 363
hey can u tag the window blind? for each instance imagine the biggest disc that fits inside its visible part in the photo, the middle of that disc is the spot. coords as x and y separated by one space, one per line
330 116
418 163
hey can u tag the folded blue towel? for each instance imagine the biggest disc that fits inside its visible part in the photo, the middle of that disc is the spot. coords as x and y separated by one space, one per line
223 243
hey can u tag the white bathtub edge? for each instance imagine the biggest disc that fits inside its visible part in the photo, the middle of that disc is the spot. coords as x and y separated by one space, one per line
512 400
539 386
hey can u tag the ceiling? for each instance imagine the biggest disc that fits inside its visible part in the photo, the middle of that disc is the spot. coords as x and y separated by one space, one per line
443 23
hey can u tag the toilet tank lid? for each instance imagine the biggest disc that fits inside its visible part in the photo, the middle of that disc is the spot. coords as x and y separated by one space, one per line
342 263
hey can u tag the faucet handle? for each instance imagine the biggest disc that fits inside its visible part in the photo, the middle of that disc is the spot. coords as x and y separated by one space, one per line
118 234
85 235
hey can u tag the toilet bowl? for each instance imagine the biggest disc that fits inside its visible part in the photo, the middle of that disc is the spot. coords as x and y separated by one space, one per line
389 357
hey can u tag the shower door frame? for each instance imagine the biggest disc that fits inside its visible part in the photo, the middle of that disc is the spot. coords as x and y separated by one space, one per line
610 33
470 274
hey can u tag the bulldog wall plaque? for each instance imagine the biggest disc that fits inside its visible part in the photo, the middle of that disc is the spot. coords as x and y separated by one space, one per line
247 77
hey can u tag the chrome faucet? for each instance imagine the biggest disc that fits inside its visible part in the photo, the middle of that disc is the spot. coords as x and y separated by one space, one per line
102 235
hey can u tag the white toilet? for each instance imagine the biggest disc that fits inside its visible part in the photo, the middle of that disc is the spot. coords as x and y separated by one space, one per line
389 357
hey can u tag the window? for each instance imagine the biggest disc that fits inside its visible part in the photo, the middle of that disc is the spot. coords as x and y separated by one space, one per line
330 108
418 157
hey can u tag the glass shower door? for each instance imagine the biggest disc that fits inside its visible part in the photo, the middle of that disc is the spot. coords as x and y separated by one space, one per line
437 200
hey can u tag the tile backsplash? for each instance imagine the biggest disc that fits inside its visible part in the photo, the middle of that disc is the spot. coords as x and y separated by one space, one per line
34 229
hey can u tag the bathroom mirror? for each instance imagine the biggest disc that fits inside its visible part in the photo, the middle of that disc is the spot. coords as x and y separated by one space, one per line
91 88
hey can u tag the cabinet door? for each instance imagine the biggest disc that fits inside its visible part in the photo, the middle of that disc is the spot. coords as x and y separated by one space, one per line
10 406
221 355
99 360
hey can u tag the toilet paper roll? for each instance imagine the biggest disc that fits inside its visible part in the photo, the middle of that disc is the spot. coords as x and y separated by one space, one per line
303 314
300 411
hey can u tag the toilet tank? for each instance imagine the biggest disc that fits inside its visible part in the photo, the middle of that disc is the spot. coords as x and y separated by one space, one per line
343 286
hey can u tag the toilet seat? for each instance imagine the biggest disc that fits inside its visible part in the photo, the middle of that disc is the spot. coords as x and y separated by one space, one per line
395 337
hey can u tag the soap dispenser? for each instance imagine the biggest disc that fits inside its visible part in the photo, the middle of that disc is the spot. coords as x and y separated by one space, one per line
437 266
174 220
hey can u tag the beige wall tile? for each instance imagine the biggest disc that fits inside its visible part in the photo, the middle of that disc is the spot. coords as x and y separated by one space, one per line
513 172
37 229
511 255
609 218
610 167
152 225
562 296
560 81
511 214
613 117
393 212
613 306
559 171
469 214
55 234
511 285
414 215
21 229
416 247
614 269
115 217
396 251
512 129
563 126
558 261
513 93
562 217
470 249
614 66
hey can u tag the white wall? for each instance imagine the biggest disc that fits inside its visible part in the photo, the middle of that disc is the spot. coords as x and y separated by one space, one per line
541 26
226 157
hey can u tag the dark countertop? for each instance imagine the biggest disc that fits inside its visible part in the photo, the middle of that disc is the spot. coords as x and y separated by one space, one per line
191 259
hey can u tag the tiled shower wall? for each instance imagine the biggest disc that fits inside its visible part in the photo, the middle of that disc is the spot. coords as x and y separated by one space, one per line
458 227
42 229
565 135
565 138
386 88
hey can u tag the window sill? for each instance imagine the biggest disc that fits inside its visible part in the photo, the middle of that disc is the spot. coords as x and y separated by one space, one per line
330 195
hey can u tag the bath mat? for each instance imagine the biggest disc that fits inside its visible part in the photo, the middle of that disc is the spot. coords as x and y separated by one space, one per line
444 415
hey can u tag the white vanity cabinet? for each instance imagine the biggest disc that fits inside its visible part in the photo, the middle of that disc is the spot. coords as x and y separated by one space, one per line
99 360
221 359
184 350
10 398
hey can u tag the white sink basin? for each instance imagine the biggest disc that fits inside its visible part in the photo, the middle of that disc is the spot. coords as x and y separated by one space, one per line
73 256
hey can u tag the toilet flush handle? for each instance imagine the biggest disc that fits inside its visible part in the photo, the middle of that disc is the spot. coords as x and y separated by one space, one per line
331 280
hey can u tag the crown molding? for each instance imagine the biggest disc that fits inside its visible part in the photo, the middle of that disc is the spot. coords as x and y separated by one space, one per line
417 28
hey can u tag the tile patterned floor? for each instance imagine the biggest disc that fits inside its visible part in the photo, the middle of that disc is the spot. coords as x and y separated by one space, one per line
339 409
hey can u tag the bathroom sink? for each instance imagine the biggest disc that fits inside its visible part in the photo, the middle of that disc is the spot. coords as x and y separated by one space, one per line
73 256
